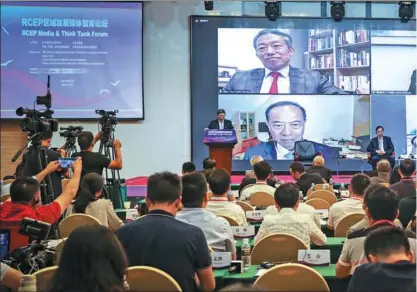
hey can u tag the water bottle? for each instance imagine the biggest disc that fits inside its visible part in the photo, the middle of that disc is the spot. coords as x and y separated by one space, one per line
342 186
312 187
246 250
331 182
300 196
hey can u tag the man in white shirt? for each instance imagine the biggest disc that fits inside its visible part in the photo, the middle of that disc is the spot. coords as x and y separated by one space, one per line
288 220
353 204
219 182
217 230
262 171
221 123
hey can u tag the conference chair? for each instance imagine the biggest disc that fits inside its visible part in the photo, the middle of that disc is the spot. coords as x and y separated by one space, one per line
305 151
8 181
325 195
58 251
277 248
142 278
44 277
292 277
245 187
261 199
318 204
210 249
324 187
70 223
245 206
229 219
4 198
346 222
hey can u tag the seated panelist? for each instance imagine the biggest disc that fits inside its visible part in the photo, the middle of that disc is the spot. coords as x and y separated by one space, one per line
221 123
381 147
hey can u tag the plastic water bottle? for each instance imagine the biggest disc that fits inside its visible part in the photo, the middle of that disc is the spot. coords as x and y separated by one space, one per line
331 182
342 186
300 196
312 187
246 251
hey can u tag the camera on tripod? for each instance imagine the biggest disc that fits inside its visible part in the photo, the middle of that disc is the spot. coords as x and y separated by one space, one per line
107 120
70 132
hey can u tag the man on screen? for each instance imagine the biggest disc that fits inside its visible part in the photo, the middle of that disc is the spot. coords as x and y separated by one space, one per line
286 122
274 49
221 123
381 147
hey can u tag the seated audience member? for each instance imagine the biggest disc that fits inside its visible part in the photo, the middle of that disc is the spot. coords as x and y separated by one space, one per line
207 173
391 264
381 210
288 220
188 167
159 240
92 260
9 277
209 163
319 168
88 202
304 180
217 230
254 160
353 204
383 168
25 195
406 187
407 209
395 175
262 171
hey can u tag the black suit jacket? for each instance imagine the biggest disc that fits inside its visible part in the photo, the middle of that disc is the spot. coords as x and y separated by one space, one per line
374 145
306 180
215 125
404 188
324 172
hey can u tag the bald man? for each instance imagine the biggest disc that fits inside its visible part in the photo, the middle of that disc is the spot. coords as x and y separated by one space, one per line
319 168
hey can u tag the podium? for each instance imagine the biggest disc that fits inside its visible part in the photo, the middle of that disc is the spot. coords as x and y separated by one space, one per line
221 143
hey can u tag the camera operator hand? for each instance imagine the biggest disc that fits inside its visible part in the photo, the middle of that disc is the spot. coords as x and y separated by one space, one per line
71 189
50 168
117 163
117 144
77 165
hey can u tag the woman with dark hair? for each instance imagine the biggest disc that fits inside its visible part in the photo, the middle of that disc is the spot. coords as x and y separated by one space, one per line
88 202
92 260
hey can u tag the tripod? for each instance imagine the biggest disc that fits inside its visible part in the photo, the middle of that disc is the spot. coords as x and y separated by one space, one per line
70 146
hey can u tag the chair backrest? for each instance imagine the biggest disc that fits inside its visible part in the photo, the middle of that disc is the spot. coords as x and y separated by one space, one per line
318 203
292 277
305 150
74 221
8 181
346 222
323 186
143 278
4 198
229 219
210 249
44 277
261 199
277 248
245 206
58 251
245 187
325 195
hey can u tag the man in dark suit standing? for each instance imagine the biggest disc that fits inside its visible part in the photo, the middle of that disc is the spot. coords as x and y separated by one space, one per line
274 49
304 180
221 123
381 147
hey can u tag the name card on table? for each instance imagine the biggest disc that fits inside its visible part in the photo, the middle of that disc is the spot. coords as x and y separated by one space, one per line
257 215
314 257
344 194
221 260
322 213
132 214
243 231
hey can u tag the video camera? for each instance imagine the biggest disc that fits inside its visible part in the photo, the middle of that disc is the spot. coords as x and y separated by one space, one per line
107 120
71 131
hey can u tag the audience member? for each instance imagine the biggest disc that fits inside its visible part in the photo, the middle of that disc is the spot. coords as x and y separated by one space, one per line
159 240
254 160
406 187
89 201
263 171
391 264
188 167
304 180
92 260
209 163
395 175
219 183
381 210
207 173
217 230
93 161
407 209
319 168
383 168
353 204
10 277
25 196
288 220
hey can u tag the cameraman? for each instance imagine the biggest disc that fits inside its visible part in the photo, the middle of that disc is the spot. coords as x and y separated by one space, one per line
32 167
25 195
93 161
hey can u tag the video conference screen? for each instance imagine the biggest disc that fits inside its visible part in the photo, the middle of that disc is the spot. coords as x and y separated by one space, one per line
91 50
323 77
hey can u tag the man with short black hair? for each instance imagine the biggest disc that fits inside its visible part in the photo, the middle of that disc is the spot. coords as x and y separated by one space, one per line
221 123
406 187
353 204
188 167
219 182
263 171
391 264
304 180
381 209
381 147
93 161
288 220
159 240
217 230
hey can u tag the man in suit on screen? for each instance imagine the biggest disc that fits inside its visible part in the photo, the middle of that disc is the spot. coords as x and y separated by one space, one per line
274 49
221 123
381 147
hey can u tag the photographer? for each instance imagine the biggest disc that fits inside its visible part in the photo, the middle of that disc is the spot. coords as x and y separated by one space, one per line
25 195
31 163
93 161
